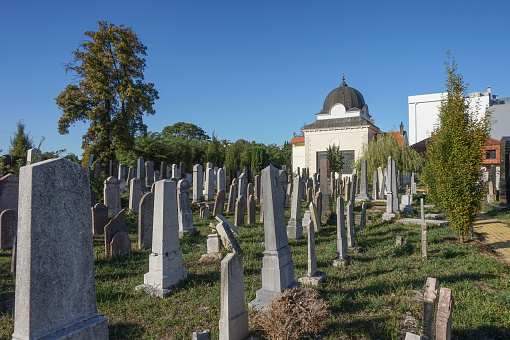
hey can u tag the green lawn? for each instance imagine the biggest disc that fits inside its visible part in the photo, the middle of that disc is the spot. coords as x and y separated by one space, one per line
369 299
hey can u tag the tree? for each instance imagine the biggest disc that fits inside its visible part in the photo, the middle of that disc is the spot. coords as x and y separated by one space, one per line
215 152
20 141
186 130
335 158
109 90
258 158
453 166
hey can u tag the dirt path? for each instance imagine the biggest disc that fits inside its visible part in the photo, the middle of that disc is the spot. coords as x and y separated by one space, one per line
496 234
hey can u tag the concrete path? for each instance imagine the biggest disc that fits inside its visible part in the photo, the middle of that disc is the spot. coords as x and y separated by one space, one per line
496 234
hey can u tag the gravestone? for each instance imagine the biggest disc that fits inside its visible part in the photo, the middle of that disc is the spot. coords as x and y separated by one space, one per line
295 228
169 171
350 225
312 277
324 170
315 217
375 189
406 204
205 212
227 237
239 212
305 221
429 306
250 190
277 264
149 173
175 172
9 192
156 176
363 187
219 203
111 194
342 258
233 324
120 244
184 209
257 187
213 247
197 182
113 168
424 252
250 216
140 171
205 335
363 221
135 194
221 218
221 179
116 224
162 170
55 295
209 184
8 228
165 261
413 184
232 196
243 187
33 156
131 174
99 218
444 315
145 220
318 210
122 171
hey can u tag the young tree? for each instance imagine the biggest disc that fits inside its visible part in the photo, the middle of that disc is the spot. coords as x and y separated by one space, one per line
335 158
109 91
20 141
215 152
454 156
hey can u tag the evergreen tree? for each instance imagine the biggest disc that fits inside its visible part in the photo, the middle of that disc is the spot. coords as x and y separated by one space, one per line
335 158
20 141
453 166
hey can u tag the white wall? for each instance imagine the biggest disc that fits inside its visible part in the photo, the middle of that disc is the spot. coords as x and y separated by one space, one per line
298 156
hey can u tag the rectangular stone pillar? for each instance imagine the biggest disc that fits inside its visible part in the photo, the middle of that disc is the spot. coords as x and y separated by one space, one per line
197 182
363 187
55 285
444 315
295 227
135 194
342 258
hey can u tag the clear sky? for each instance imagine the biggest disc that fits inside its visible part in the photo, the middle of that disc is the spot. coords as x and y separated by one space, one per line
255 70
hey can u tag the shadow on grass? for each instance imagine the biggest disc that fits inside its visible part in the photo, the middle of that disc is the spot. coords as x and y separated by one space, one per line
124 331
7 299
372 327
483 333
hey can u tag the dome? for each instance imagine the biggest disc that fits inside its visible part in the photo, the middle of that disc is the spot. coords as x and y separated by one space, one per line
348 96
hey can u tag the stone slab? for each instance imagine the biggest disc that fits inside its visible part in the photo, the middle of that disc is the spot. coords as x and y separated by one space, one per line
418 221
314 280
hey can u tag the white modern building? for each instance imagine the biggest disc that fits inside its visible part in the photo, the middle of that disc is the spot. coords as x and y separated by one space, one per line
344 121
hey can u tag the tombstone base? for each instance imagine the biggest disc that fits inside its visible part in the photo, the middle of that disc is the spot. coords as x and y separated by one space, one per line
190 232
235 327
263 297
362 198
314 280
156 291
388 217
94 327
210 257
294 230
341 262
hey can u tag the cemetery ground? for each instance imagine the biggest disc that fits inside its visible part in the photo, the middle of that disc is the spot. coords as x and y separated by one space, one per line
375 297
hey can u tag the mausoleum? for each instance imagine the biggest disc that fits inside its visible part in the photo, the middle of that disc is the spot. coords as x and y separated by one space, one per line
344 121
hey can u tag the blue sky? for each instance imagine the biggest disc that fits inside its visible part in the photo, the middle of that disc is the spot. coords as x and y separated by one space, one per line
255 70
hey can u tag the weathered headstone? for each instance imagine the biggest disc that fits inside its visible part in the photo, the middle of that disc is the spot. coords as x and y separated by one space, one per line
116 224
8 228
315 217
145 220
197 182
175 172
250 216
111 194
120 244
205 335
429 306
165 261
243 186
33 156
213 246
232 196
363 186
219 203
149 173
312 277
122 171
375 189
205 212
295 227
277 264
257 187
342 258
184 209
350 225
221 179
233 324
140 170
131 174
444 315
413 184
9 192
406 204
162 170
135 194
227 237
239 212
363 221
424 252
99 218
55 293
209 184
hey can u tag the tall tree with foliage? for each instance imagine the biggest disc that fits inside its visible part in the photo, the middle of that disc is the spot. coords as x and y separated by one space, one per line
215 152
20 141
258 158
335 158
453 167
186 130
109 90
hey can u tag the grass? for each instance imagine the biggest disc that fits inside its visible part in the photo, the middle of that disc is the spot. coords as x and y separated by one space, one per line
369 299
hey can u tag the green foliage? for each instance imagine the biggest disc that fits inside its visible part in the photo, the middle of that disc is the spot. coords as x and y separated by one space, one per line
258 158
454 155
279 156
385 145
20 141
186 130
233 156
215 152
335 158
300 133
109 92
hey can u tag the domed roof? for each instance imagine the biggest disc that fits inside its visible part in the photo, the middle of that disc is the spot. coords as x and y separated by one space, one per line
348 96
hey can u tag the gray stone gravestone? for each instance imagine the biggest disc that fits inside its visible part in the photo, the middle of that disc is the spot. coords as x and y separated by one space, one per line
120 244
342 258
9 192
250 216
243 187
295 227
135 195
111 194
145 220
55 295
257 186
162 170
140 171
116 224
165 261
232 196
197 182
209 184
131 174
239 212
175 172
312 277
375 189
122 171
184 208
219 203
350 225
33 156
149 173
221 179
363 221
429 306
324 165
363 187
233 324
99 218
8 228
277 264
444 315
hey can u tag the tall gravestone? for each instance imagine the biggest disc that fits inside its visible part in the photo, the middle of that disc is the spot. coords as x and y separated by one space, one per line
232 196
135 194
165 261
122 171
277 264
55 293
33 155
111 194
8 228
233 324
350 225
221 179
243 186
209 184
162 170
295 227
184 208
239 212
175 172
363 187
256 179
131 174
197 182
250 216
382 181
140 170
312 277
342 258
99 218
149 173
9 192
219 203
375 189
394 184
145 220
